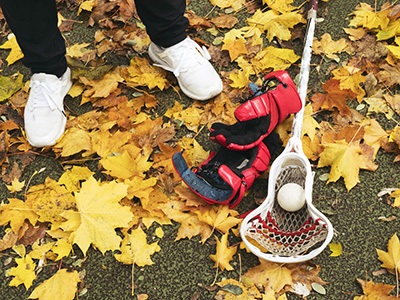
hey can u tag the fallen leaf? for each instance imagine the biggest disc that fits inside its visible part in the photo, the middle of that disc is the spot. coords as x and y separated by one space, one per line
24 272
135 250
62 286
270 275
391 259
224 254
336 249
98 215
373 291
15 53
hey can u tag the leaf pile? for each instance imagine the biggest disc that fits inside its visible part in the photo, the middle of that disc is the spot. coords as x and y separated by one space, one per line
133 185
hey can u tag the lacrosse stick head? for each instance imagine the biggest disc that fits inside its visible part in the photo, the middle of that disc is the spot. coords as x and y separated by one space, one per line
274 234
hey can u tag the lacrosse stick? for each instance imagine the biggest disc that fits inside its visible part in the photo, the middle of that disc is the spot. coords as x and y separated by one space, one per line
269 231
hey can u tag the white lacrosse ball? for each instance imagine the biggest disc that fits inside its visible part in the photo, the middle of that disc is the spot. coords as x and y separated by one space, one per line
291 197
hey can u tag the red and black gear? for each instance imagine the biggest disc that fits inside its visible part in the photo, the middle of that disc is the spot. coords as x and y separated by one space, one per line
246 146
226 174
259 116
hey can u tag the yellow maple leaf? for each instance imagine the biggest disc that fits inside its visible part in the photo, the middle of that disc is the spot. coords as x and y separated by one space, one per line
135 250
141 188
273 58
328 47
24 272
276 24
219 217
87 6
270 275
39 251
395 50
194 152
74 141
131 162
350 78
72 178
345 161
190 223
375 291
15 53
190 116
103 87
368 17
16 212
62 286
234 43
62 248
49 200
224 254
153 206
355 34
391 30
391 259
77 50
104 143
16 185
141 73
377 103
99 213
311 147
375 136
240 79
310 125
279 5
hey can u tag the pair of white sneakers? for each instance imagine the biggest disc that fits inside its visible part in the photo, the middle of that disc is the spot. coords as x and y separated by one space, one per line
45 119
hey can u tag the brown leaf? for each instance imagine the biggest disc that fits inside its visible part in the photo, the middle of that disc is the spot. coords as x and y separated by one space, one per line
334 97
32 234
8 240
196 21
225 21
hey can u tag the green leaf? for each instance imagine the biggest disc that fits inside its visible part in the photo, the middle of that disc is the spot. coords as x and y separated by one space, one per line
9 85
233 289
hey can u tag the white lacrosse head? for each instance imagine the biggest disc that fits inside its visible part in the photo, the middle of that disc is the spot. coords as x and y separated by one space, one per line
274 234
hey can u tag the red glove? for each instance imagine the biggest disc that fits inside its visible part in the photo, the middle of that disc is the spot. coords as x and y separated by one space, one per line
259 116
226 174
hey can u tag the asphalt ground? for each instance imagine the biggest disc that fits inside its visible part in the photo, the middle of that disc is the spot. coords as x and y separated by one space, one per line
183 269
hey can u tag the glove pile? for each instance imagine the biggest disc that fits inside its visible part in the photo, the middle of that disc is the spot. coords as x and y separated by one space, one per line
246 146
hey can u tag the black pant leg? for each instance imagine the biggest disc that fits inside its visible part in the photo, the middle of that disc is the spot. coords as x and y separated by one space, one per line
34 23
164 20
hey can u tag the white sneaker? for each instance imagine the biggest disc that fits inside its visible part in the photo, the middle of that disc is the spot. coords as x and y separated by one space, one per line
190 64
44 112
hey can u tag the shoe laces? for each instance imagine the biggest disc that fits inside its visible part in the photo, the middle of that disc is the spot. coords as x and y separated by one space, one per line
43 96
187 53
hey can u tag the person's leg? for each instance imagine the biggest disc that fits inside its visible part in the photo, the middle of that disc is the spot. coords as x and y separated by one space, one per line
164 20
34 24
172 50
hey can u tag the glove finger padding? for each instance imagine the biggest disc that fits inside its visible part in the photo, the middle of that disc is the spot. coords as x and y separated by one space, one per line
226 174
241 136
259 116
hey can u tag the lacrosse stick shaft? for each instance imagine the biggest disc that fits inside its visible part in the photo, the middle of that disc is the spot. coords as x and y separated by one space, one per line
305 67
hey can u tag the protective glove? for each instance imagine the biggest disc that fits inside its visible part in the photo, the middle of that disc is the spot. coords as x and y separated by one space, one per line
226 174
258 116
